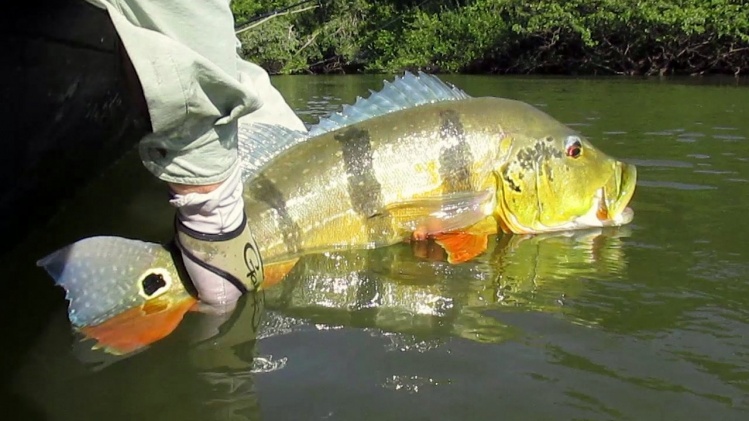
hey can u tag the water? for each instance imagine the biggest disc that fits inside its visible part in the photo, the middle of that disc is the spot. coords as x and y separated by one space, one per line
640 323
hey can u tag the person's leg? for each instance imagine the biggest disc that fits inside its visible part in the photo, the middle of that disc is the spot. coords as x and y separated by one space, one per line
195 88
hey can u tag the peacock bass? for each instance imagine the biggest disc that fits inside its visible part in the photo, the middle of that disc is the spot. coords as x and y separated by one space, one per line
418 160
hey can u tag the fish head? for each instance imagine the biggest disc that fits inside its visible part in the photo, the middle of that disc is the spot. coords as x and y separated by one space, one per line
553 179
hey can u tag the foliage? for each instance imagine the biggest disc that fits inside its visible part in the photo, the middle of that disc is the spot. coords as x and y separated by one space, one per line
509 36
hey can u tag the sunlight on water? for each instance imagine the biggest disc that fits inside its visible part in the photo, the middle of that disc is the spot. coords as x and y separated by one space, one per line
395 290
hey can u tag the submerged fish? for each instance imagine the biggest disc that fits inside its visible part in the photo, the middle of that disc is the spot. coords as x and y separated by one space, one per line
417 160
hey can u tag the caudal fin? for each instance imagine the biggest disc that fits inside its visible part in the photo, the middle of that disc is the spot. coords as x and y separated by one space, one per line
124 294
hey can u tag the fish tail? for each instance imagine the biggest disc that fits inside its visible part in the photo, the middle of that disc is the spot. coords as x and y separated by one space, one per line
123 294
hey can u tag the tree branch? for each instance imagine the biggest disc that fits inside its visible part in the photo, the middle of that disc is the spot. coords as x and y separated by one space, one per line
266 19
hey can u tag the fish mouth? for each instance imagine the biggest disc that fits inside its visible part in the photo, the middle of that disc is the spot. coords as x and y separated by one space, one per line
610 201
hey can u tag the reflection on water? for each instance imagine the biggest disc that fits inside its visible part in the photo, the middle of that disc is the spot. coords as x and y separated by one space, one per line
411 288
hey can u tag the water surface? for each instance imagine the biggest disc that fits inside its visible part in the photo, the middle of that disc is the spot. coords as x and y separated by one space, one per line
645 322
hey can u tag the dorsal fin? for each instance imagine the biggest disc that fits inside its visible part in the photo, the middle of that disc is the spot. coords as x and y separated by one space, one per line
404 92
261 142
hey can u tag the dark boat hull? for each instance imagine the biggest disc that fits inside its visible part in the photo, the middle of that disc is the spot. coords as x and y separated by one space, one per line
64 109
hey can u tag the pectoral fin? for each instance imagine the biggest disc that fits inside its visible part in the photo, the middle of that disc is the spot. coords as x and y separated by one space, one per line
140 326
462 246
427 216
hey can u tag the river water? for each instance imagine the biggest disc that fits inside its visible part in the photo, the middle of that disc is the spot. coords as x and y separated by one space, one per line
645 322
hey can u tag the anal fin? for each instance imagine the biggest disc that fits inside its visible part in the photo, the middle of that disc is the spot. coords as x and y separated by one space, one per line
139 327
275 272
462 246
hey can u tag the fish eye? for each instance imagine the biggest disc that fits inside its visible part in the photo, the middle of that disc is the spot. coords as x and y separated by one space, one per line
154 282
574 147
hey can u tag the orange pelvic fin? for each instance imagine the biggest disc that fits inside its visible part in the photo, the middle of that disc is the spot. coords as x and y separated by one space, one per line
139 327
462 246
275 272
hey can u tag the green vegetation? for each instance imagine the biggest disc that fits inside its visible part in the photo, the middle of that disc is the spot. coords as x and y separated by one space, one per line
634 37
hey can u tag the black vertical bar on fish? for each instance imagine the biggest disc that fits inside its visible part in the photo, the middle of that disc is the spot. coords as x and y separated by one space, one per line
263 190
363 188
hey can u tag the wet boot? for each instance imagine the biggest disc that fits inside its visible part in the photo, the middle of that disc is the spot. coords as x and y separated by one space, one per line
219 251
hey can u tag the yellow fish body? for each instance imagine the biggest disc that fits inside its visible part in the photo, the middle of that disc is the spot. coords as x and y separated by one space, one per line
433 169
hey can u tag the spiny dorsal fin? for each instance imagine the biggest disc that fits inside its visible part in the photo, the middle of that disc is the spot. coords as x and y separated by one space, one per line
405 92
259 143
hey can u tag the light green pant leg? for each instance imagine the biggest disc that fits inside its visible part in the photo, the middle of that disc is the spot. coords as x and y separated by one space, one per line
196 87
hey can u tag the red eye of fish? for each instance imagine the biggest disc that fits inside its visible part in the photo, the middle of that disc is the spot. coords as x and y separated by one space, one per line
574 147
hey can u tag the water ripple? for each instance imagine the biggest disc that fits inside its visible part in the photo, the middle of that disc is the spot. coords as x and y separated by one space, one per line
660 133
660 163
730 138
716 172
673 185
412 384
692 134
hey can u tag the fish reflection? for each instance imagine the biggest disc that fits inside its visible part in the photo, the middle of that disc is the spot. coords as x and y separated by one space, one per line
410 288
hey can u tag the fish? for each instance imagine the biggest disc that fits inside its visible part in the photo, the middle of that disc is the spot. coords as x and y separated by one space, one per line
376 175
419 160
